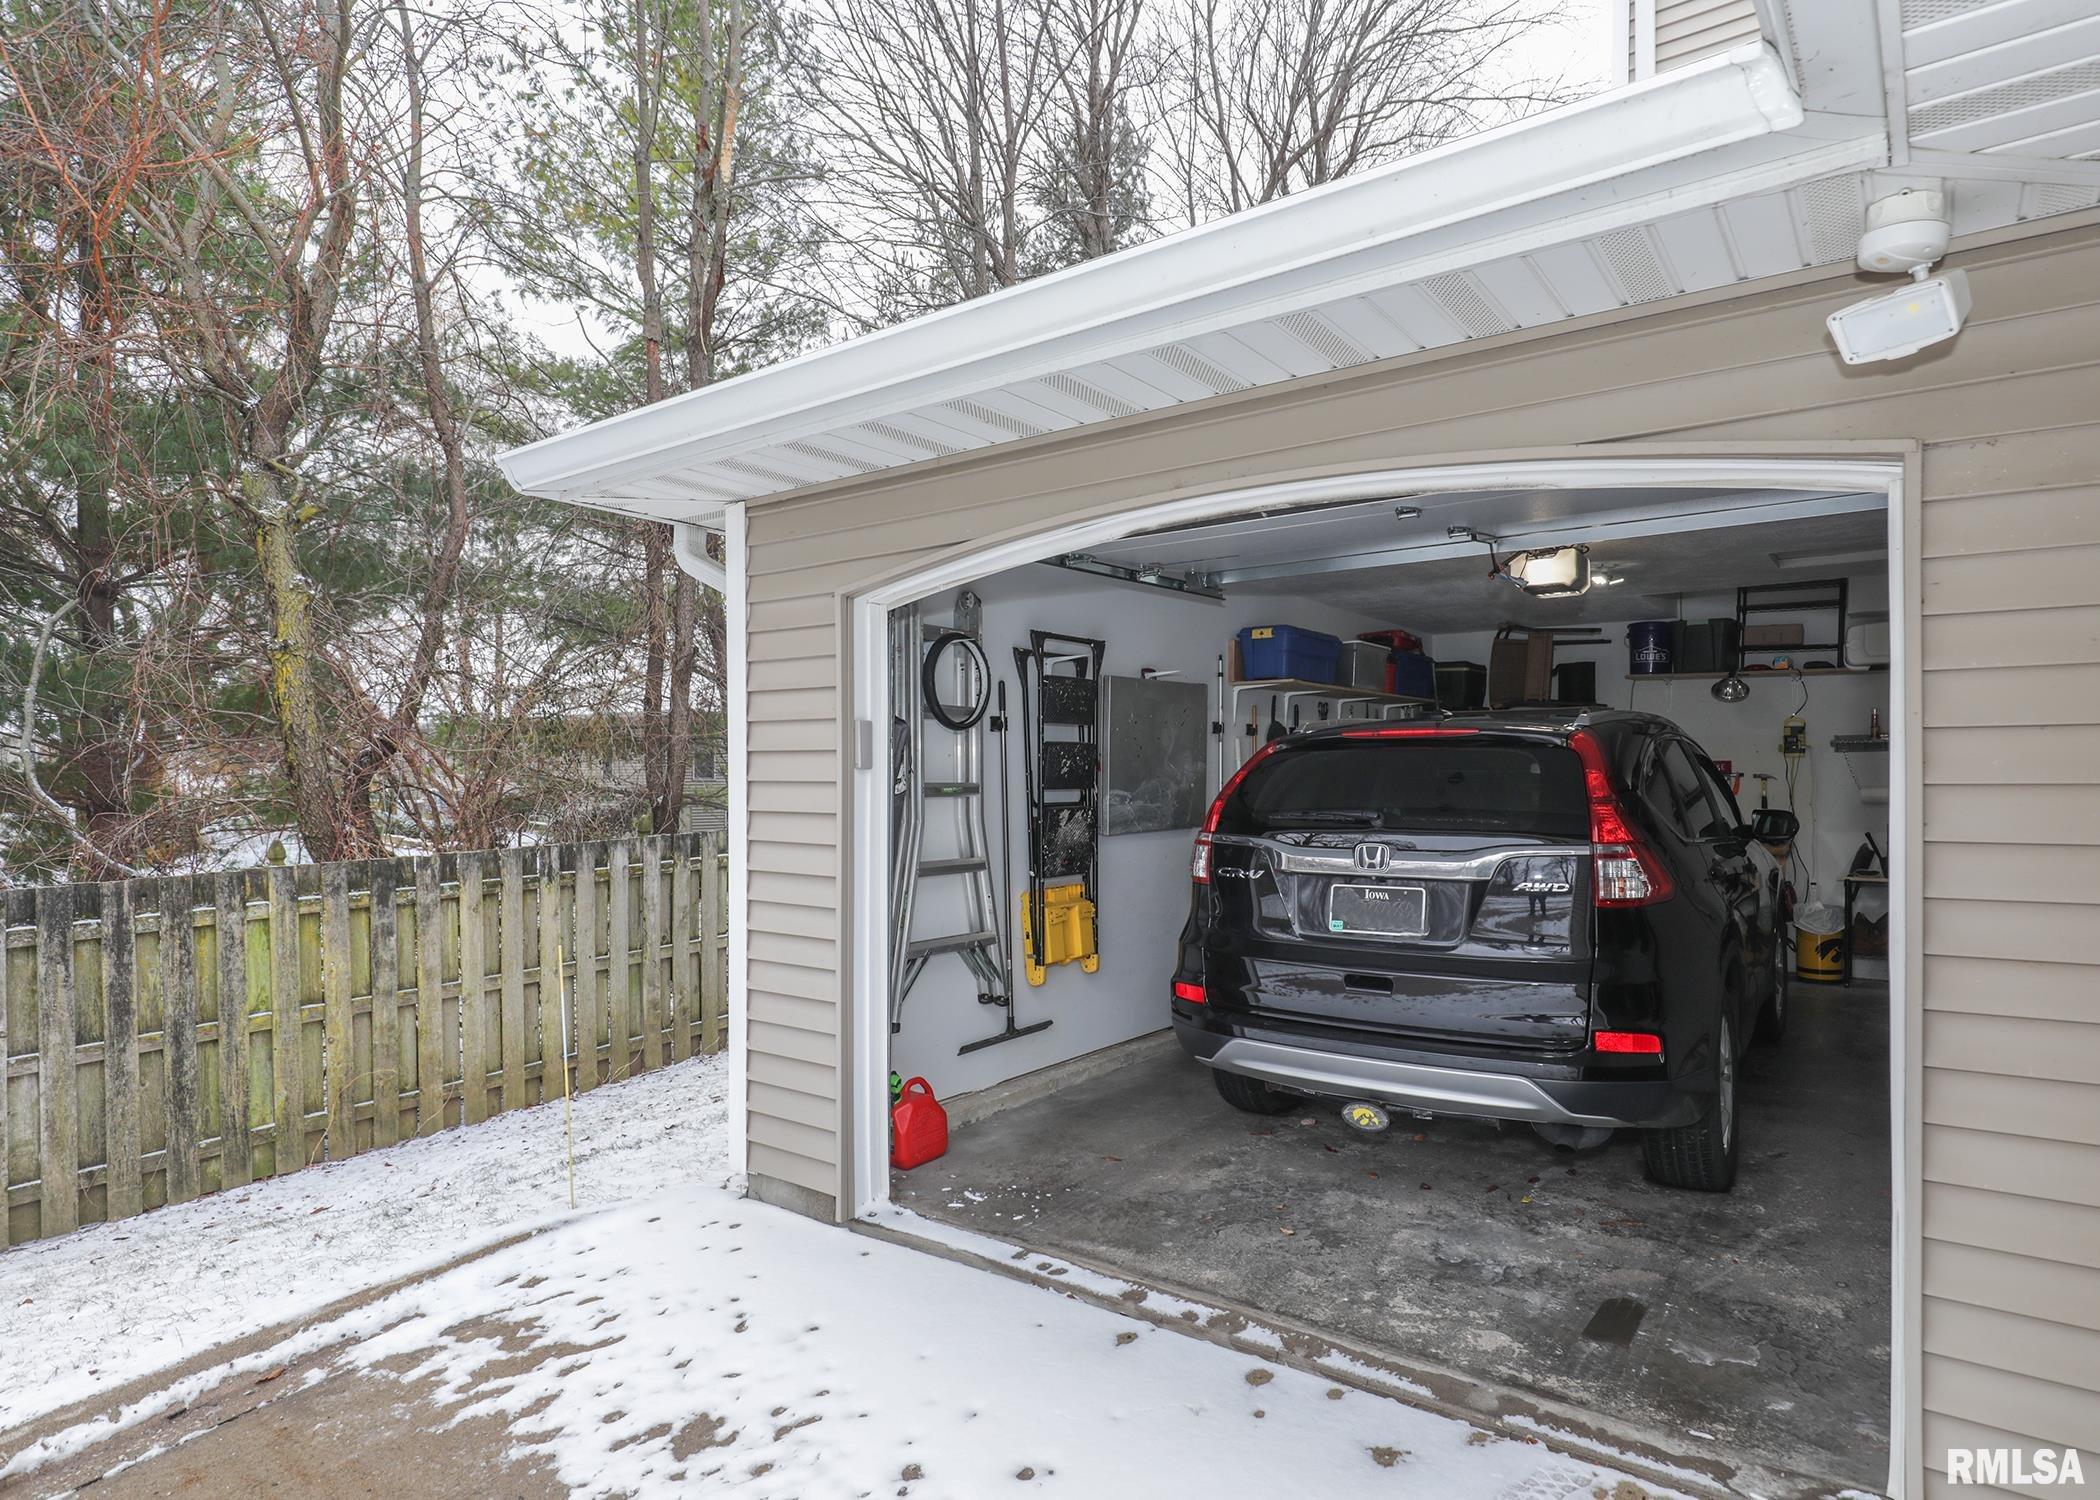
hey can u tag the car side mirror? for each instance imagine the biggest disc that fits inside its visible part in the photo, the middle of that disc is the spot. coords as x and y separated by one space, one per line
1773 825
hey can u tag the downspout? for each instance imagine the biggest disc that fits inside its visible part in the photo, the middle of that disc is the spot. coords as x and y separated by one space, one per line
689 547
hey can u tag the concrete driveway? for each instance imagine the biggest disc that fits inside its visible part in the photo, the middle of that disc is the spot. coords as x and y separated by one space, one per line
1750 1328
693 1341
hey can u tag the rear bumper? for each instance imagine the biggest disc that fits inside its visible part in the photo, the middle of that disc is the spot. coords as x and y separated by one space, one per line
1417 1084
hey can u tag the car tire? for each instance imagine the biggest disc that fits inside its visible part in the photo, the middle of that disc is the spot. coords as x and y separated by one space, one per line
1702 1156
1252 1095
1771 1021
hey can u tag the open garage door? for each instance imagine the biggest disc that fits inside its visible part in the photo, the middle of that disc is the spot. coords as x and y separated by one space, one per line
1451 919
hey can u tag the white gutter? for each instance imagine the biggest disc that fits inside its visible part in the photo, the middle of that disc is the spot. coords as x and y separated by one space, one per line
1294 252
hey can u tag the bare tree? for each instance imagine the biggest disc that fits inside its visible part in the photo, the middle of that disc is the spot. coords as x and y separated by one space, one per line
677 61
394 725
254 280
652 187
714 95
932 110
1093 149
1268 97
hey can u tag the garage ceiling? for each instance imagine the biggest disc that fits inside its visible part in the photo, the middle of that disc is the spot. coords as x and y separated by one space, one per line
1655 548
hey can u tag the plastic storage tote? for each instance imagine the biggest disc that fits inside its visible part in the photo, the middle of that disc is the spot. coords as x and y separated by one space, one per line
1411 675
1461 684
1269 651
1393 640
1575 682
1708 646
1365 665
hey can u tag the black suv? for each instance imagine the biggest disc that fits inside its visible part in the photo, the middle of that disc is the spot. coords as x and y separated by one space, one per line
1545 915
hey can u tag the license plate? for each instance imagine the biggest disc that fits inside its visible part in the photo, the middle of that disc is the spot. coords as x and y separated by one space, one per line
1378 910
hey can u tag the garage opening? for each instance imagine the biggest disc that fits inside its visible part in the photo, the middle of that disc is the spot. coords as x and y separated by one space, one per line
1533 1018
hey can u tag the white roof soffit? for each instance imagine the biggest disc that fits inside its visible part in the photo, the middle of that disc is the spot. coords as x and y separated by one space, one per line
1639 194
2005 91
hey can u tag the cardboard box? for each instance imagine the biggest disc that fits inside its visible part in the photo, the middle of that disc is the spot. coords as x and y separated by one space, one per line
1772 637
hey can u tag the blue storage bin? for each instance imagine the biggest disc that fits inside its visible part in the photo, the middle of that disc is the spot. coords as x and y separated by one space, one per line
1286 651
1413 675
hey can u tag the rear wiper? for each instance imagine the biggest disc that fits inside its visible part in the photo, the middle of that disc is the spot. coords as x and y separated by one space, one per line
1361 817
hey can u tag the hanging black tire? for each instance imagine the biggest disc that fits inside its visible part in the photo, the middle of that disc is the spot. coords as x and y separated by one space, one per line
1252 1095
1771 1021
1701 1156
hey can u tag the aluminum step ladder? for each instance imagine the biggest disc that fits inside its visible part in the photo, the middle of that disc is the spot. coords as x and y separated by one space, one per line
918 795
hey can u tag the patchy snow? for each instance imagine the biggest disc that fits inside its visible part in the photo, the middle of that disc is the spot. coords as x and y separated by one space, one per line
698 1339
117 1301
687 1336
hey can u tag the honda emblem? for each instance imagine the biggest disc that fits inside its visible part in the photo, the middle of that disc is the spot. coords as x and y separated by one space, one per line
1373 856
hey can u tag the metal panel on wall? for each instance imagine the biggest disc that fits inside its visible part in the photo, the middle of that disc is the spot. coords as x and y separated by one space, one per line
1158 754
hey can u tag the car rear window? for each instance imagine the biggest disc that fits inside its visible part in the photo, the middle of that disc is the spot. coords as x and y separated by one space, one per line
1460 785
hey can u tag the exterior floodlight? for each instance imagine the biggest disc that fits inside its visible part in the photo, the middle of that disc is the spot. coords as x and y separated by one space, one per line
1906 231
1899 323
1552 572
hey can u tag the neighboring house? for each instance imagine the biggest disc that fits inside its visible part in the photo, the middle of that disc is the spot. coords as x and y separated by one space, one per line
1625 294
706 805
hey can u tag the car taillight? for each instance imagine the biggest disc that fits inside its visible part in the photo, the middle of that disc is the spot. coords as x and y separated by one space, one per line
1192 993
1645 1043
1199 858
1623 869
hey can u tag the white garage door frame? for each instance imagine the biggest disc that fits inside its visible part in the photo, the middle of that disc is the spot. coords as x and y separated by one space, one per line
868 950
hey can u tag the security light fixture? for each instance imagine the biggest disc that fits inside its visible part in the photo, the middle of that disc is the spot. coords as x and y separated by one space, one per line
1731 689
1897 324
1906 231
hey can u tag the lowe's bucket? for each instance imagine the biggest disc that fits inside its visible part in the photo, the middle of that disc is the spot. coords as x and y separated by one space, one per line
1648 651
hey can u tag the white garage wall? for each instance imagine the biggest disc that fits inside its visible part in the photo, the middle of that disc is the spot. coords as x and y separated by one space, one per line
1830 792
1144 876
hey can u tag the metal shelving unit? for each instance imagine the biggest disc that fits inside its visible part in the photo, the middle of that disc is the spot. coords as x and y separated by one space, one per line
1810 596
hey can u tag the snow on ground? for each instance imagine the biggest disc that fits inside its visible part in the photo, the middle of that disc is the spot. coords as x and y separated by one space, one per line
117 1301
686 1336
695 1340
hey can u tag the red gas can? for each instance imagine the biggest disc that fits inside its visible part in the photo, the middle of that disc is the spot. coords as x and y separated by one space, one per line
918 1125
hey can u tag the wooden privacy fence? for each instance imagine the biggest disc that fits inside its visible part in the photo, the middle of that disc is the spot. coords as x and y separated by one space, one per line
150 1059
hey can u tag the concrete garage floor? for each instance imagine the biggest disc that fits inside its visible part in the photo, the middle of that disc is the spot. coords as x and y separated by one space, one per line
1763 1332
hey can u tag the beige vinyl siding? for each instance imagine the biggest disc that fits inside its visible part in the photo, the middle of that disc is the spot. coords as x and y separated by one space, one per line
2008 417
1687 30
